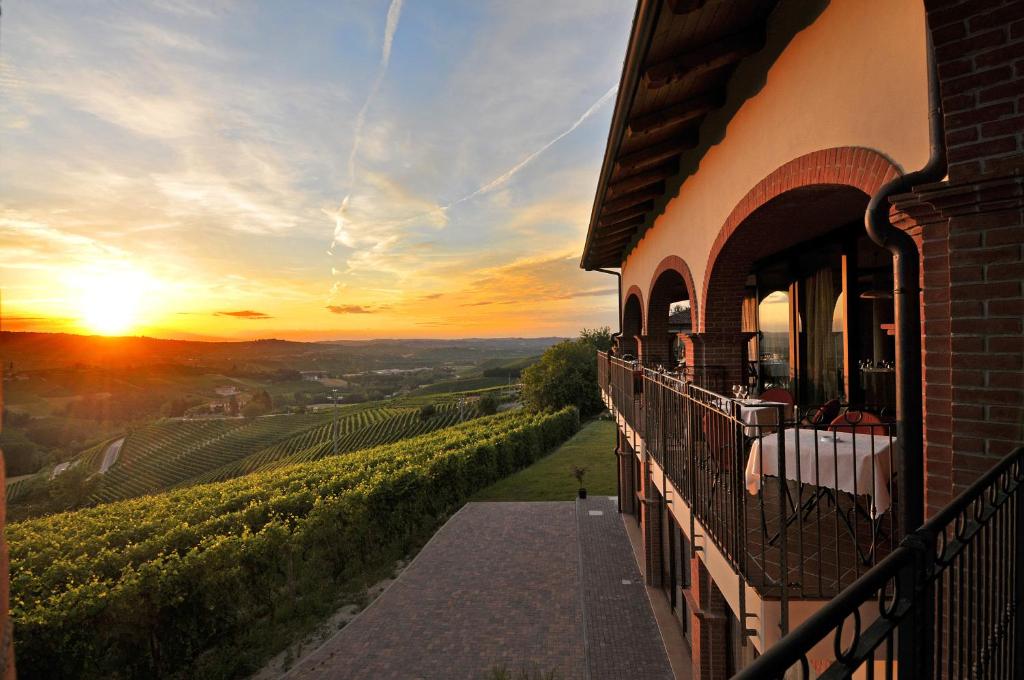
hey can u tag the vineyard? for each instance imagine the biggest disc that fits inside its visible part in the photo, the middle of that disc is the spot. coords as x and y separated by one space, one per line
201 581
178 453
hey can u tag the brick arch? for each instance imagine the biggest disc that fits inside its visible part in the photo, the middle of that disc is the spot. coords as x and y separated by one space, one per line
630 330
857 168
677 264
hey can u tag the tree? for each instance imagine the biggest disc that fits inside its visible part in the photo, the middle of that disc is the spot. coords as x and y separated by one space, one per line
427 411
487 405
600 339
566 375
260 404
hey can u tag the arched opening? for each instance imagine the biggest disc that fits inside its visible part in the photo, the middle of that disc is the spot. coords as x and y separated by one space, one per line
801 275
669 314
632 326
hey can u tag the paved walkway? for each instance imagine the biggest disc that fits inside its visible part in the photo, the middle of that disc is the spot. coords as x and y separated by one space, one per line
527 586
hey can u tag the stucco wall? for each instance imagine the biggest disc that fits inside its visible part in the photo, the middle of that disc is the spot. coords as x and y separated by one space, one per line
855 78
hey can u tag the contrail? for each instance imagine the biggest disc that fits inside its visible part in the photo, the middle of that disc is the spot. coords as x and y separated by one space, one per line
390 26
498 181
342 236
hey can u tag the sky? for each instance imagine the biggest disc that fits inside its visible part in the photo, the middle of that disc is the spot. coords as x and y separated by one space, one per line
307 170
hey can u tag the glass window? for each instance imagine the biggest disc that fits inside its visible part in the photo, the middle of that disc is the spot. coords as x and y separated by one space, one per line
773 317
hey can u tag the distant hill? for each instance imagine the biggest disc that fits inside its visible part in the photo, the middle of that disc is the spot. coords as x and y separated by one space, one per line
33 351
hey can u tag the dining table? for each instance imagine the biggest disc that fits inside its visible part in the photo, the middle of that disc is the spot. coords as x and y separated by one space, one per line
857 463
759 417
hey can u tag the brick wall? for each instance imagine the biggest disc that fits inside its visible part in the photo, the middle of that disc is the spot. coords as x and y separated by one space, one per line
971 230
979 50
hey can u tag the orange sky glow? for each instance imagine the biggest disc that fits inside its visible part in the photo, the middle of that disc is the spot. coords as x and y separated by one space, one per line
192 171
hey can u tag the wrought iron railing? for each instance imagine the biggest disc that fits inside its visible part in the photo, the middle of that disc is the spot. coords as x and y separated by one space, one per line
944 604
798 509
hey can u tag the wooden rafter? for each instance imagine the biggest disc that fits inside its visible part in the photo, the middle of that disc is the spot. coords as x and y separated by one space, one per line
703 59
681 113
640 180
648 194
656 153
686 6
638 210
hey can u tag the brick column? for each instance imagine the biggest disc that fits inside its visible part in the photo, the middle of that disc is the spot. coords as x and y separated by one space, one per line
626 344
655 349
930 230
708 624
720 356
624 455
652 506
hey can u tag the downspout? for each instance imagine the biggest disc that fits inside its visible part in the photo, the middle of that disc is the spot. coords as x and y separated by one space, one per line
617 275
915 641
907 304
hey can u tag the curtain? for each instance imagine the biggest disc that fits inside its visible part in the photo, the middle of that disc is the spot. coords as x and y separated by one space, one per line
821 379
748 324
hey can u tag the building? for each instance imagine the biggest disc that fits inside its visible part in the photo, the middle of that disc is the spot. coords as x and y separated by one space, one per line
837 189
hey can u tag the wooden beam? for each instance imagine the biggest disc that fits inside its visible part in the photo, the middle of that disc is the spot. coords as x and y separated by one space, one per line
648 194
674 115
685 6
641 180
703 59
618 239
622 227
656 153
617 243
638 210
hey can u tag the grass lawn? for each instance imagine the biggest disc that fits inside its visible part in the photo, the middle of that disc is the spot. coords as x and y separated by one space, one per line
550 478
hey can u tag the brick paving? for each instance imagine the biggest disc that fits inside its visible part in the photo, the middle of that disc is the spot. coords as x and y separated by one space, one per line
500 585
622 637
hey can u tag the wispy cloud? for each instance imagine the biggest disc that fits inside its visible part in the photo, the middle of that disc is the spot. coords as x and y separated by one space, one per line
245 314
349 309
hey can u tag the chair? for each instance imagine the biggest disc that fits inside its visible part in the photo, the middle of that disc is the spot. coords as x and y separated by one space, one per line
778 394
826 413
857 422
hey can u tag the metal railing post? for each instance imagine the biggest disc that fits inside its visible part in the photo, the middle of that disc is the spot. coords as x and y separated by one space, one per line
783 523
1018 582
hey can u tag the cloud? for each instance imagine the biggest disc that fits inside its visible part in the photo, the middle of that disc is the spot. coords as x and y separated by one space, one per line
245 314
349 309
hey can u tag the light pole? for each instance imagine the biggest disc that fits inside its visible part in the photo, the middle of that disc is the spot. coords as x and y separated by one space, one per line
334 422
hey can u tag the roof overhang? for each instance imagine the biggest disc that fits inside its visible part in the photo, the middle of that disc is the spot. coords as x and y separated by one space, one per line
677 92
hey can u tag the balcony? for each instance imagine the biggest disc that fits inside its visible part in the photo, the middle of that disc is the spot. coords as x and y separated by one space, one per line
797 509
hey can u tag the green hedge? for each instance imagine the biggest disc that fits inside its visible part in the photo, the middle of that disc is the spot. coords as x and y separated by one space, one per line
200 582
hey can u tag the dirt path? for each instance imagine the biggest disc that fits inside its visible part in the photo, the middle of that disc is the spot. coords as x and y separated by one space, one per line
111 454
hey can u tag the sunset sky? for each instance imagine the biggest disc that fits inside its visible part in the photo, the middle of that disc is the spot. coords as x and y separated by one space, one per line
309 170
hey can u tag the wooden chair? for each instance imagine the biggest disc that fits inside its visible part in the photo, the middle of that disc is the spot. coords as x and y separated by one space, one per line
777 394
858 422
826 413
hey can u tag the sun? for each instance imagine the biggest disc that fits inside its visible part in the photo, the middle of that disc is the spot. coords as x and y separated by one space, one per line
109 303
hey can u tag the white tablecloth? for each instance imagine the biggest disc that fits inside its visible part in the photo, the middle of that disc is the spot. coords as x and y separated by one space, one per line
758 415
835 450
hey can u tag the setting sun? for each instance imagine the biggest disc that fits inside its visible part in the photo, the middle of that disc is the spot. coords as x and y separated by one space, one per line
110 303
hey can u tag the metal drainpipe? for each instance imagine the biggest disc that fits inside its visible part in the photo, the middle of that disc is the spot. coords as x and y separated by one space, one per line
617 275
916 637
907 304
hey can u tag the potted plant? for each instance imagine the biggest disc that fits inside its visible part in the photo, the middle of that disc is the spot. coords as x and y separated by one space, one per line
578 472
